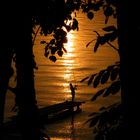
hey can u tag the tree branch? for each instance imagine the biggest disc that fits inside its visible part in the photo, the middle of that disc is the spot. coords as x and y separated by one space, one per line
113 46
35 35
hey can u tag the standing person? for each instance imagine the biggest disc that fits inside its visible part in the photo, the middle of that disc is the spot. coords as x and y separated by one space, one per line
72 88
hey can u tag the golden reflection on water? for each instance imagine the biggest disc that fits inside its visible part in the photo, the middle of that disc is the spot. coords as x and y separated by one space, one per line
69 45
70 42
68 57
67 74
68 62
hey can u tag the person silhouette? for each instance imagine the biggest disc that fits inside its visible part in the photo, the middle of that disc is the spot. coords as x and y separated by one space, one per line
72 88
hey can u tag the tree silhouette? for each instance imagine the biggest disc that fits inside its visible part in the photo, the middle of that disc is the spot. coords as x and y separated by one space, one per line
50 16
127 32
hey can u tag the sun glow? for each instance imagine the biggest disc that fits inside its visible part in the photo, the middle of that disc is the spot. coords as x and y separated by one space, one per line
70 37
69 45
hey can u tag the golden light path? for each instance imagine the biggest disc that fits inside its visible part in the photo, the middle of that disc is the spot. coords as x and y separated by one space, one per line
69 62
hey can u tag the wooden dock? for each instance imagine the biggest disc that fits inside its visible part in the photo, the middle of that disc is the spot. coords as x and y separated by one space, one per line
55 111
60 110
48 114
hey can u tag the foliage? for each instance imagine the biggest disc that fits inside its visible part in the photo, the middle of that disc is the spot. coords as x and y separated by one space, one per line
107 122
51 16
110 73
106 38
59 27
93 6
57 22
51 19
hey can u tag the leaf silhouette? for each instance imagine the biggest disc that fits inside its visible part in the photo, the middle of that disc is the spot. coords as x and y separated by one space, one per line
106 19
103 39
114 73
42 42
47 46
60 53
100 92
96 81
102 108
53 58
114 36
107 37
94 121
84 79
110 67
108 11
109 28
107 92
65 39
53 50
112 89
92 114
46 53
90 15
96 45
115 87
91 79
75 24
96 6
105 77
52 41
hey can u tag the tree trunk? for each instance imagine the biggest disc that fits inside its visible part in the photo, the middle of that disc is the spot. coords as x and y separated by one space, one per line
26 99
129 33
5 74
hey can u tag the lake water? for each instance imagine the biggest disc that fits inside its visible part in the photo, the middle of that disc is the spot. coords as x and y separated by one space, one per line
52 79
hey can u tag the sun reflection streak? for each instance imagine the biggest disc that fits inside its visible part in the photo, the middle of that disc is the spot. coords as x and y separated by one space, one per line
69 62
69 45
68 75
70 40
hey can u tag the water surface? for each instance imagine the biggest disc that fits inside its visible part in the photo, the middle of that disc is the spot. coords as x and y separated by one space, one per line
52 79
